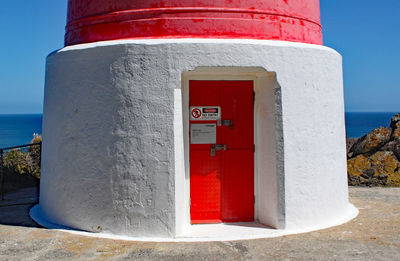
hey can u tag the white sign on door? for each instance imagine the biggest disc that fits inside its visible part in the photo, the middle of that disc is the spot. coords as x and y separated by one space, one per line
205 113
203 133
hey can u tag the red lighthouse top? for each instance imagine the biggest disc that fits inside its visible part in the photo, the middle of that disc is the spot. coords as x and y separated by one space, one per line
100 20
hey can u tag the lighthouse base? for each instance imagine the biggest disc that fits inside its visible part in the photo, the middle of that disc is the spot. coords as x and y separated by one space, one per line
116 134
205 232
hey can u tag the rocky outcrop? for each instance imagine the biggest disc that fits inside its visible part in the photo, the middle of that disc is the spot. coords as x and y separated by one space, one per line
350 142
395 126
394 146
374 159
371 142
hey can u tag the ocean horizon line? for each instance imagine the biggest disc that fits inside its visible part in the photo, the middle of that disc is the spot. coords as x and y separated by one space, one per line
18 128
16 114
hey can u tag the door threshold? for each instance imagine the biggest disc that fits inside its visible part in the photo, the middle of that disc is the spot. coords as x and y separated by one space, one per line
228 231
214 222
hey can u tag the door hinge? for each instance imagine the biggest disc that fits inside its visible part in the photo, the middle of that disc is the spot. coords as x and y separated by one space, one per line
254 147
254 96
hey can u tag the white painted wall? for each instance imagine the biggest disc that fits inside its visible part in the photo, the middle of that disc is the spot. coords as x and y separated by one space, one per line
268 129
112 144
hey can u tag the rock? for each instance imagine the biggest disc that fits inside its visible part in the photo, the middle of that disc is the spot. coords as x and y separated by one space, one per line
380 169
360 171
396 131
395 119
381 177
369 173
358 165
371 142
374 159
393 179
354 181
395 126
377 138
384 163
393 146
349 144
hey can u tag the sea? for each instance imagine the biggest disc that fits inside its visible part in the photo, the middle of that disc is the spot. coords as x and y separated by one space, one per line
360 123
18 129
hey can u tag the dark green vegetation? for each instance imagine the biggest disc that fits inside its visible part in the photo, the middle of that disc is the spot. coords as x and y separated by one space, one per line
21 167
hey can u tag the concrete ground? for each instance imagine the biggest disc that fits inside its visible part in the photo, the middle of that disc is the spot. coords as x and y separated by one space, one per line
373 235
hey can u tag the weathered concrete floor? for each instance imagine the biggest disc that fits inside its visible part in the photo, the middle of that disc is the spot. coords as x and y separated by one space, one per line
373 235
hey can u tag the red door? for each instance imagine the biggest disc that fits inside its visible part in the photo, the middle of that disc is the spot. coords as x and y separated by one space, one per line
221 151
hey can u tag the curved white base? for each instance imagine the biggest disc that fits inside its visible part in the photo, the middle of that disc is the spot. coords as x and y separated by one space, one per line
206 232
115 134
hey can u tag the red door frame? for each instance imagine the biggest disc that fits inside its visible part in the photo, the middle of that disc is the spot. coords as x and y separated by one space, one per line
225 211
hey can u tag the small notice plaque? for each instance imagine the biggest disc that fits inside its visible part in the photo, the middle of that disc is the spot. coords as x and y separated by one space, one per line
203 133
205 113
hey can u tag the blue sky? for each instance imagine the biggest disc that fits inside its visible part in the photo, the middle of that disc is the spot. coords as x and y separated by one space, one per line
365 32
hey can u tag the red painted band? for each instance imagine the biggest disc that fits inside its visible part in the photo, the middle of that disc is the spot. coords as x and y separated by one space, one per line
155 12
294 20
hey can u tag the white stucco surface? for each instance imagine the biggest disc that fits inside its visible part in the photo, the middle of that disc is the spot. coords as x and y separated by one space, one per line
206 232
114 135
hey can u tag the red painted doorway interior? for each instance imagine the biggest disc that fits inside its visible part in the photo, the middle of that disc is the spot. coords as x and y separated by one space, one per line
221 151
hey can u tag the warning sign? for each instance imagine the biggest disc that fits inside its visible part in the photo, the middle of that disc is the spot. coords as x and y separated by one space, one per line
203 133
205 113
196 113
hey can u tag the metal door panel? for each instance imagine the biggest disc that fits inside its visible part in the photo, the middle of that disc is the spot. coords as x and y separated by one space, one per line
222 174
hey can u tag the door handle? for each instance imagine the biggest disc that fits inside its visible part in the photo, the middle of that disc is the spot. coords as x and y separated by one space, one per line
216 147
